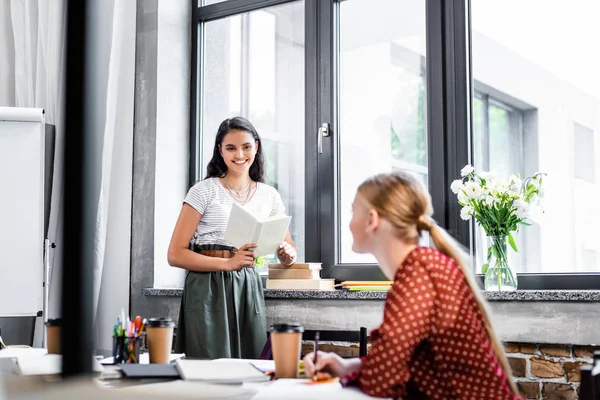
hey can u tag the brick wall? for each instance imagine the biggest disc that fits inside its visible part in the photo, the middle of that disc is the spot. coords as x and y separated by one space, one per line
548 372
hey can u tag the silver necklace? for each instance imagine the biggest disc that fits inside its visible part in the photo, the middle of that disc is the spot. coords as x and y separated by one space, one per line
239 193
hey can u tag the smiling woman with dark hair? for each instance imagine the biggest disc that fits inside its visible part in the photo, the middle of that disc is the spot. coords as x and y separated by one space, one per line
218 168
222 310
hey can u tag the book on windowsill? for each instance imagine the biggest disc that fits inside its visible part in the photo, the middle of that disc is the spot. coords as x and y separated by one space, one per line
355 286
311 266
244 227
294 273
301 284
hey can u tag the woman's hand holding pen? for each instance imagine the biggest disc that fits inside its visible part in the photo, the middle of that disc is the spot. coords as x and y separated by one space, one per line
328 362
243 258
287 253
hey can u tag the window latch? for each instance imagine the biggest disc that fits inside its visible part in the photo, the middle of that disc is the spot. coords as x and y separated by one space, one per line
323 132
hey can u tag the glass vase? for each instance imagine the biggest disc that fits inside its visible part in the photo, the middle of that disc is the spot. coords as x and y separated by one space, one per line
499 276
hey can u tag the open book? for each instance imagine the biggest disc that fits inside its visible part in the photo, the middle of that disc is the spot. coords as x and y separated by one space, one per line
243 228
220 371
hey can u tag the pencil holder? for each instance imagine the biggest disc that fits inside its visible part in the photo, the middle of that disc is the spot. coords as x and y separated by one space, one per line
119 355
126 350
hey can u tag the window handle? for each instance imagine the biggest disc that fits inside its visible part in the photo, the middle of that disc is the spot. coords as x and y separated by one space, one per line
323 131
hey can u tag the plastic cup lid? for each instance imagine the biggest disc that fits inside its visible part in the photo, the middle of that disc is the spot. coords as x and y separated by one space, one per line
160 323
287 327
54 322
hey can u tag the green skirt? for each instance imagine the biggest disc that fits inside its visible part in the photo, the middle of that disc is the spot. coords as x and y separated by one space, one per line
222 314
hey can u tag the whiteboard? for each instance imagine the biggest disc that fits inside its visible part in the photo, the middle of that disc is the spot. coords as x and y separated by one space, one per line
21 211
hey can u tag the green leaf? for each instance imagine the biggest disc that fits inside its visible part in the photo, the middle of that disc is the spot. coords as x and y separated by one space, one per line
512 243
525 223
484 268
489 252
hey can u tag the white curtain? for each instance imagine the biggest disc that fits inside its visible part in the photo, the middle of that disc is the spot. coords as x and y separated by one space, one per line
113 227
32 48
32 71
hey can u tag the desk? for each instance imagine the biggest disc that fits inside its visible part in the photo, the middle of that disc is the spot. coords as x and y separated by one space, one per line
40 388
28 388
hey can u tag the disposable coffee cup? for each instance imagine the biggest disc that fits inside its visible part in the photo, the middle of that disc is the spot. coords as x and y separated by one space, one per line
53 335
159 339
286 341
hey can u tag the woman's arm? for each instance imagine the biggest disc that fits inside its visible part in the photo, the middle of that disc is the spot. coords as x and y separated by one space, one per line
179 255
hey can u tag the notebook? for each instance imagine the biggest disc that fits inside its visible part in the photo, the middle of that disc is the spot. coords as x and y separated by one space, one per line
243 227
220 371
150 371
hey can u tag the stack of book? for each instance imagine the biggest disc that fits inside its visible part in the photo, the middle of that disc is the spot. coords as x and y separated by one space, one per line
298 276
355 286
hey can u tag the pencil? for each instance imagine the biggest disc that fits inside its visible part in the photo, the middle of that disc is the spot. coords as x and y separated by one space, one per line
316 351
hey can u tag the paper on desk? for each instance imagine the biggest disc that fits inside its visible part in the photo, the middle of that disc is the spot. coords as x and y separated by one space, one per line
12 352
294 389
227 371
35 363
144 358
180 389
264 365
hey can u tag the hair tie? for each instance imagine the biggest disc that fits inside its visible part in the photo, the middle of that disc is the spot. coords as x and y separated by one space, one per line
425 223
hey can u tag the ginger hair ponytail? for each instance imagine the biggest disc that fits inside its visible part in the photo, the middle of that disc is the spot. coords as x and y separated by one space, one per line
403 200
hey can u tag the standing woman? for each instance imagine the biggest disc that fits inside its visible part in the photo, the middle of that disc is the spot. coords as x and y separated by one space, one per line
222 312
436 340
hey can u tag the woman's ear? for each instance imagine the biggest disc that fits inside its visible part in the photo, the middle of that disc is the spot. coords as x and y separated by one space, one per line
220 150
373 221
256 144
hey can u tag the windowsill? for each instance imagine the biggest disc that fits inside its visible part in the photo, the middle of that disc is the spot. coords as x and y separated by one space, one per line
519 295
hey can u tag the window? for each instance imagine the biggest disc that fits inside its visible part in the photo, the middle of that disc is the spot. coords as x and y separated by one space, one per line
415 85
497 136
550 77
254 67
498 145
381 99
583 153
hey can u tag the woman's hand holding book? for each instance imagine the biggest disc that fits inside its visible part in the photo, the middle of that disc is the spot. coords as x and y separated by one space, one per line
243 258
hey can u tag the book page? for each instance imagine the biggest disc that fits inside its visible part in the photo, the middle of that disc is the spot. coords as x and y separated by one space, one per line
241 227
272 232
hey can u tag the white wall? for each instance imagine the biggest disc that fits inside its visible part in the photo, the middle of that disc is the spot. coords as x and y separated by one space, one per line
172 133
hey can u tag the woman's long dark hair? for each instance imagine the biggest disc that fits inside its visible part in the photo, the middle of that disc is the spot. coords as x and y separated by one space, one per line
217 167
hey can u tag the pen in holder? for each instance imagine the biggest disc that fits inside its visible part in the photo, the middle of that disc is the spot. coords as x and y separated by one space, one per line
127 340
126 349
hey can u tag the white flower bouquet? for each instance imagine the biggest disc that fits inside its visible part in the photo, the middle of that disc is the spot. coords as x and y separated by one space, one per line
500 207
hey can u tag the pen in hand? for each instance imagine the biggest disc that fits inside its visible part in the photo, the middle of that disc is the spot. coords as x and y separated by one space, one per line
316 351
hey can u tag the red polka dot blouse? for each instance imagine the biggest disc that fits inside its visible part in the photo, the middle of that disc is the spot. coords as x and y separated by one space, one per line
432 343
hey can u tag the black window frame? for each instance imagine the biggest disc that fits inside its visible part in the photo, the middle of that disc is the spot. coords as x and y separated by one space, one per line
449 96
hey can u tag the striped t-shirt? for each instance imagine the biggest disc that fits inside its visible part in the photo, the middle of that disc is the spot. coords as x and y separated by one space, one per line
212 201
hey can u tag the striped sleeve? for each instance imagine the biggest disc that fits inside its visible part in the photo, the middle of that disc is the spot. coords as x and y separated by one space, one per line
197 197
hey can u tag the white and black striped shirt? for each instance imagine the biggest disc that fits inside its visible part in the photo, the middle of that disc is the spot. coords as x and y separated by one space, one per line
212 201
